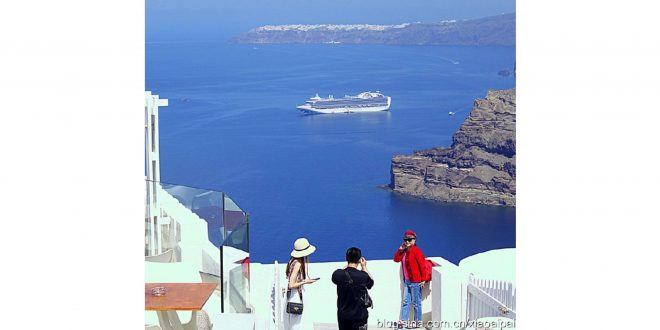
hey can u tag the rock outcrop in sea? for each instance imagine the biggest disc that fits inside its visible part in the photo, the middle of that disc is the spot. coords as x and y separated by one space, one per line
480 165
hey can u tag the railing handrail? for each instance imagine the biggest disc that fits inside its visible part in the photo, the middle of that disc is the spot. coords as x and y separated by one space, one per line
200 188
183 185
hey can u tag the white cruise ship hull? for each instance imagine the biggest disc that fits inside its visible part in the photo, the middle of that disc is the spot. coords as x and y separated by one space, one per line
310 109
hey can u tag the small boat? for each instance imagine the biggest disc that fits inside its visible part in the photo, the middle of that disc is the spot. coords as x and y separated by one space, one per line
451 113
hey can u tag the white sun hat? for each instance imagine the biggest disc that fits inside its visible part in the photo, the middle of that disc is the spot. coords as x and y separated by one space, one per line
302 248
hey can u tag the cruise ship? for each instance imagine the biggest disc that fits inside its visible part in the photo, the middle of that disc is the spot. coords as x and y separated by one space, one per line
363 102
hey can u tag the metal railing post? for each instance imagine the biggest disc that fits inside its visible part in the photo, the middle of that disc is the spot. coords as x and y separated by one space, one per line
222 261
222 281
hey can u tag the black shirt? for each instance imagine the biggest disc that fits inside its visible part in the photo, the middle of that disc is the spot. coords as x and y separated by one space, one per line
348 307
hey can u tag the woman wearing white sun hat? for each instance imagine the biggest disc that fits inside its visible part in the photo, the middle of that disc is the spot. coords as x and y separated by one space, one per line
297 275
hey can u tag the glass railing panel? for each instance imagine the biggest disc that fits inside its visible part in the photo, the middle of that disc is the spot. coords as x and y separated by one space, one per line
236 269
236 258
235 225
169 207
205 204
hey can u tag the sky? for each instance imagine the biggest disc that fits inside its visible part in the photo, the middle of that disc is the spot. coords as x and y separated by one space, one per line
176 20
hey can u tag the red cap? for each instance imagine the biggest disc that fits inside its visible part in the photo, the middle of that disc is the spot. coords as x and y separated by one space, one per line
410 233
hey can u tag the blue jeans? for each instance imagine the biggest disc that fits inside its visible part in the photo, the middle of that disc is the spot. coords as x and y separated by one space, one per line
411 291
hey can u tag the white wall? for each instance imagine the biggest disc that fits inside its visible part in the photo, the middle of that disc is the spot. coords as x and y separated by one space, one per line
447 297
443 300
320 298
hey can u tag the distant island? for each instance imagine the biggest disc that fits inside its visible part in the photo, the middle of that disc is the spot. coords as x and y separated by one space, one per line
480 165
497 30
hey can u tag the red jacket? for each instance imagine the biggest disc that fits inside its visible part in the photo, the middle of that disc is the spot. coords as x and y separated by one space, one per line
414 260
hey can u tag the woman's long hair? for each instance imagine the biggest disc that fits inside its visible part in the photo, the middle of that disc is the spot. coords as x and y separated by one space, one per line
303 266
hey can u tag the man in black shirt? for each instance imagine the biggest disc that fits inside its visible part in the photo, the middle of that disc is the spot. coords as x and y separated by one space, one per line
352 313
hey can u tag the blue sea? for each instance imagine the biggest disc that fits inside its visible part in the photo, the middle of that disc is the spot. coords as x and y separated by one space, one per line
231 125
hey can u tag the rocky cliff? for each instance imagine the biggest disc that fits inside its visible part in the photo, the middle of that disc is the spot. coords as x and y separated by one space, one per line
495 30
480 165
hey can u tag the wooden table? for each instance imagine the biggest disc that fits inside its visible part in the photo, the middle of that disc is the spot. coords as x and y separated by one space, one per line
179 297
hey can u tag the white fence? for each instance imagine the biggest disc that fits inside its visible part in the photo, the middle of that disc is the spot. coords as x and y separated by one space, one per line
490 298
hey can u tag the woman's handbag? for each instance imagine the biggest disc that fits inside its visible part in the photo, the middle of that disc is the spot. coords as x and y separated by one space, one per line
294 308
363 295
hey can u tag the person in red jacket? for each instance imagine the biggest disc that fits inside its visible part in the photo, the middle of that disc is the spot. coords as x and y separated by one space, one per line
412 259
